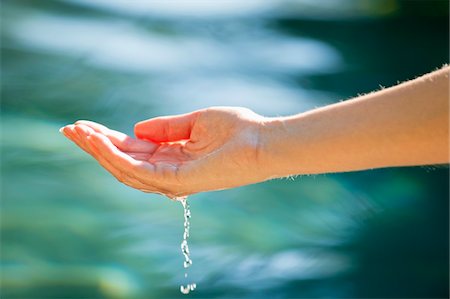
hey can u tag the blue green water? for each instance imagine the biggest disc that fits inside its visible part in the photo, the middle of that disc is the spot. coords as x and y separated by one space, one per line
70 230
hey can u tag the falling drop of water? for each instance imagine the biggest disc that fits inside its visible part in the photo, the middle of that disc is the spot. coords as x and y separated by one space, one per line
184 245
187 263
188 288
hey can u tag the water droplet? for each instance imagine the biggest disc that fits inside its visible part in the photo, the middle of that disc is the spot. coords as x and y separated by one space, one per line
188 288
185 290
184 245
187 263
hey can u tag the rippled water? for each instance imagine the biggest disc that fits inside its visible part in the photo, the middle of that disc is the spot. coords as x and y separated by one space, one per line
68 229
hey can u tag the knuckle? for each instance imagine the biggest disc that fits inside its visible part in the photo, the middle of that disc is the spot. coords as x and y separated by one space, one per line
119 177
129 184
131 174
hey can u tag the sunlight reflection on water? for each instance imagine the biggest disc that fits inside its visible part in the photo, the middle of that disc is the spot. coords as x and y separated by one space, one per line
192 71
128 48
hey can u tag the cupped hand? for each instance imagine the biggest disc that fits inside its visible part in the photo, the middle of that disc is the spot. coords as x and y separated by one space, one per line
209 149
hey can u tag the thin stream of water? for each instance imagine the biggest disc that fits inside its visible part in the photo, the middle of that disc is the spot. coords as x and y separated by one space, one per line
185 247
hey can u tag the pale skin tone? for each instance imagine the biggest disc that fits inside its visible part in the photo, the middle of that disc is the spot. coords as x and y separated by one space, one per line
225 147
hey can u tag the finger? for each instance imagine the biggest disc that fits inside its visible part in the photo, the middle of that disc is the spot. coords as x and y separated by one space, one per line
73 135
127 170
79 134
117 158
120 176
139 156
119 139
66 130
168 128
83 132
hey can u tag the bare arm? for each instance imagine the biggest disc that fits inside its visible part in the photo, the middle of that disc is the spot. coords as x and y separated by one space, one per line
223 147
407 124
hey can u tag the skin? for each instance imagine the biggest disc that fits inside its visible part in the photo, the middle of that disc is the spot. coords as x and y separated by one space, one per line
225 147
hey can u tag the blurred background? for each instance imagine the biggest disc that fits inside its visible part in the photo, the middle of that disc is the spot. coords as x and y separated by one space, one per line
70 230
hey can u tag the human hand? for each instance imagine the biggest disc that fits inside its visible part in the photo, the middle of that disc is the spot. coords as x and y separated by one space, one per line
210 149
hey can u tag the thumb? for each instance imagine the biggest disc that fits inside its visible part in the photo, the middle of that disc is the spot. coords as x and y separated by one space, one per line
166 128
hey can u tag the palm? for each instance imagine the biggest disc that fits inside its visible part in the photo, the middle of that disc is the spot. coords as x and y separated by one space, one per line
164 154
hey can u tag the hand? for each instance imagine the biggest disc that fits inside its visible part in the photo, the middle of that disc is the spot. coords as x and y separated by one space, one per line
210 149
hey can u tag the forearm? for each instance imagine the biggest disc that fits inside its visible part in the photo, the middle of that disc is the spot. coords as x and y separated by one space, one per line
399 126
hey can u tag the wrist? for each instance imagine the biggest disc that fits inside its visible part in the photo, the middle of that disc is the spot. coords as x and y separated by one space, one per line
272 134
290 146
